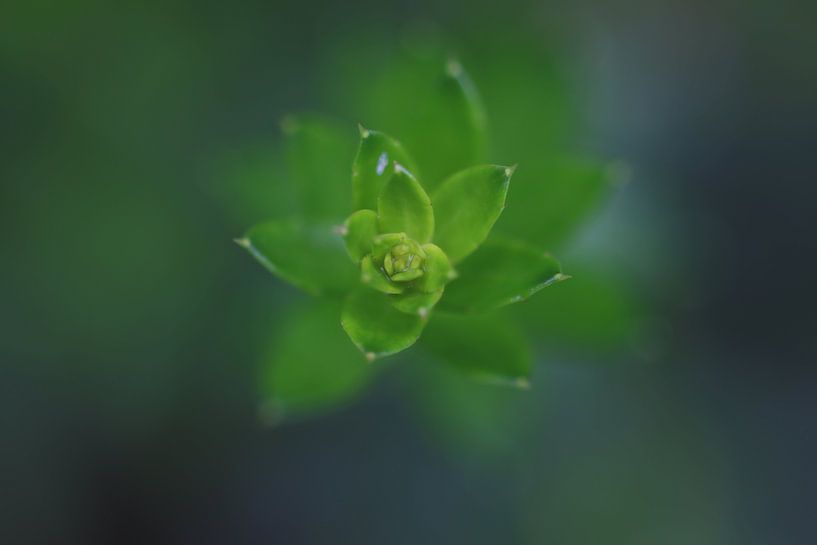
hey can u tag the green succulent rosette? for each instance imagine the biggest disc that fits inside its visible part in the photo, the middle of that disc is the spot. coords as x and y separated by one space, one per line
412 255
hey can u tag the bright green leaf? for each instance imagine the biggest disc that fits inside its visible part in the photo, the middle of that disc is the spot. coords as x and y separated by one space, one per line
486 347
437 269
318 153
467 205
359 232
372 166
375 279
415 302
376 327
403 206
498 274
311 366
311 257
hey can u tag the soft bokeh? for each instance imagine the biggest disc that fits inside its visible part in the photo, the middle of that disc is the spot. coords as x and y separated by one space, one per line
674 392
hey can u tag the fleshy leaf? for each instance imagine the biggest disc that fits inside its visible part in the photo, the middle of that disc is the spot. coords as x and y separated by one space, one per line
310 257
466 207
374 278
415 302
372 166
311 365
487 347
359 232
376 327
437 269
318 153
501 272
403 206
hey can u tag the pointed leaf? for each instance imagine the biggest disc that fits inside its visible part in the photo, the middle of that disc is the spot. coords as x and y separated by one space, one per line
311 365
359 232
416 302
486 347
376 327
403 206
500 273
318 153
310 257
437 269
375 279
372 166
466 206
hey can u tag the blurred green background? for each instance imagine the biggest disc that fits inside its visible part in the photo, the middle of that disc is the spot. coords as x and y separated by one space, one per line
673 398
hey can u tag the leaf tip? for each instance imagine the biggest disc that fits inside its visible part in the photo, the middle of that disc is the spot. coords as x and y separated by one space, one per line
559 277
341 229
522 383
370 357
423 313
510 170
243 242
400 168
453 67
364 132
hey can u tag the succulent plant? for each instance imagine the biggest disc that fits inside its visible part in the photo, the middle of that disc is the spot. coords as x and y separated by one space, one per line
407 247
416 255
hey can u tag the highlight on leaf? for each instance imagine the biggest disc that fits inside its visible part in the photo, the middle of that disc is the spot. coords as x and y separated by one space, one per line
376 154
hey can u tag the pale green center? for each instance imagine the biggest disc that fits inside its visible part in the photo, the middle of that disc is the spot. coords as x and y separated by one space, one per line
404 263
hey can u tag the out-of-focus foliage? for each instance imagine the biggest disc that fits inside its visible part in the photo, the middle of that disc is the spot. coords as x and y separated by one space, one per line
297 374
318 153
492 340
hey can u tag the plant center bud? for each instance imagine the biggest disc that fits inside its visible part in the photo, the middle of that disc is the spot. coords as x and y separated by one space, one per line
404 262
